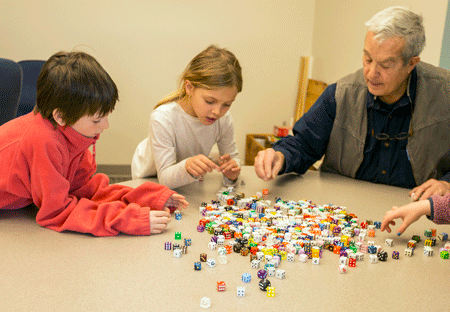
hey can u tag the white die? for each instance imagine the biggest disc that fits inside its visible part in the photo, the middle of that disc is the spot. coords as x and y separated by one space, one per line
290 257
222 251
270 271
389 242
373 258
280 274
315 260
255 264
241 291
212 245
267 258
220 240
342 268
260 255
343 260
211 262
303 257
359 256
223 259
177 253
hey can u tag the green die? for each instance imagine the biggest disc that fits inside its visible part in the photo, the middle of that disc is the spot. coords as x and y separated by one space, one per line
178 235
444 254
427 233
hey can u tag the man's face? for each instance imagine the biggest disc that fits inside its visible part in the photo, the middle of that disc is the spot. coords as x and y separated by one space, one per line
385 74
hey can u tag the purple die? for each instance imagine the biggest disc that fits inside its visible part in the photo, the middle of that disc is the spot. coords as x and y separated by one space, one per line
342 253
214 239
167 245
200 228
395 255
246 277
262 274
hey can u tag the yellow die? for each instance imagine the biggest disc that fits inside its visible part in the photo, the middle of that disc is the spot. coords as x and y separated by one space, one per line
270 291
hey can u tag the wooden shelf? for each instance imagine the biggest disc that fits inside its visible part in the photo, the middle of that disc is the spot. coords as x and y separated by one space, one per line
253 144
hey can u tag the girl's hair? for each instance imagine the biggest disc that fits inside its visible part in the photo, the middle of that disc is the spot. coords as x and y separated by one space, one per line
76 85
399 22
212 68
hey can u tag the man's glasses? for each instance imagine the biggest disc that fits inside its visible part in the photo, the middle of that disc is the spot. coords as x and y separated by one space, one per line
385 137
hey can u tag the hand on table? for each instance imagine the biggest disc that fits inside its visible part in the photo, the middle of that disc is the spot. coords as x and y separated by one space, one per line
176 201
268 163
159 220
430 187
409 214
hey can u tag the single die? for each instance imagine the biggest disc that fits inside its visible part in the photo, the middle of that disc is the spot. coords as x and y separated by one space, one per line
223 259
175 246
203 257
187 242
428 242
342 268
246 277
395 255
221 250
315 260
255 264
205 302
409 251
260 255
382 255
211 262
290 257
303 257
241 291
389 242
265 192
372 249
373 259
427 233
371 233
263 284
443 236
416 238
200 228
281 274
377 224
212 245
177 235
444 254
177 253
244 251
428 251
177 214
262 274
412 243
167 245
270 271
343 260
221 286
270 291
352 262
197 266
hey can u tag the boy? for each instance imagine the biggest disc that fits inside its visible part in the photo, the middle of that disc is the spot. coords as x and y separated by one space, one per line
45 158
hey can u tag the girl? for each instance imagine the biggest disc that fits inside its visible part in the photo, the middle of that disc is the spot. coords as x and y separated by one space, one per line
187 123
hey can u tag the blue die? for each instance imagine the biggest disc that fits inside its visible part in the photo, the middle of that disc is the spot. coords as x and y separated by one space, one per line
177 215
372 249
377 224
197 266
187 242
246 277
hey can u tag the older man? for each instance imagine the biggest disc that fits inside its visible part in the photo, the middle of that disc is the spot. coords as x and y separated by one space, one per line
389 122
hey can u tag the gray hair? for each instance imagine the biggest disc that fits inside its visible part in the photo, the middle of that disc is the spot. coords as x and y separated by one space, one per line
399 22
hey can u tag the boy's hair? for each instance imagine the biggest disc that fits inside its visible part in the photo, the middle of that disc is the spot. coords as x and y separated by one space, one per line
212 68
399 22
76 85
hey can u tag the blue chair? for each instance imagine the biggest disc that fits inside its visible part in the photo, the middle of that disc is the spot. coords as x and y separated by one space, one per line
10 86
30 74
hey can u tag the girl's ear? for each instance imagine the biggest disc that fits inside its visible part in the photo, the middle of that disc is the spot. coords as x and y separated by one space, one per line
189 87
58 117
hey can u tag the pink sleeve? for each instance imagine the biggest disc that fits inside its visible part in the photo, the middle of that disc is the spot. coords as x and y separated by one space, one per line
441 208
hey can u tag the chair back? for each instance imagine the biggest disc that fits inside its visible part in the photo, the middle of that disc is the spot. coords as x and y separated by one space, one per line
30 74
10 86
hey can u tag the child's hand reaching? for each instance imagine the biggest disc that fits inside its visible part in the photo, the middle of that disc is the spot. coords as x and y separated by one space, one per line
409 214
199 165
229 167
176 201
159 220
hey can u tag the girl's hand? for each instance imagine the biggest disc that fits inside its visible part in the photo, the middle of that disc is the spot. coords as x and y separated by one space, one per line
199 165
229 167
409 214
176 201
159 220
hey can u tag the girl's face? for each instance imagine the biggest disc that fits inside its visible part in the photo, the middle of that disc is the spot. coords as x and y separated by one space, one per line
208 105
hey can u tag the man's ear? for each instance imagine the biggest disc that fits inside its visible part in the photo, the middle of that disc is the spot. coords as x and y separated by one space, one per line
413 62
58 117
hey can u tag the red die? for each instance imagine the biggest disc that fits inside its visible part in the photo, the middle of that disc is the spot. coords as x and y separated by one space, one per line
352 262
230 201
363 225
221 286
203 222
227 235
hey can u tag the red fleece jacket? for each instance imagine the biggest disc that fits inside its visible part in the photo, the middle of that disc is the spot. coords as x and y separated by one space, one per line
54 169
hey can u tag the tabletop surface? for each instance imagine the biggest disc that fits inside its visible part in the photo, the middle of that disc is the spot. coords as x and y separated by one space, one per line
42 270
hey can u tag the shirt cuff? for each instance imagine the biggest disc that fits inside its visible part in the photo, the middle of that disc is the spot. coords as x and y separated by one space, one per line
431 216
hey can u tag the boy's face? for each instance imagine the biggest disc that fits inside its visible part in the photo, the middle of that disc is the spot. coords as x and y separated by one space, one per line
90 126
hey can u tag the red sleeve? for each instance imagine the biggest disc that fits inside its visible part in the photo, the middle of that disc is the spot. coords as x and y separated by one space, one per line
95 207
